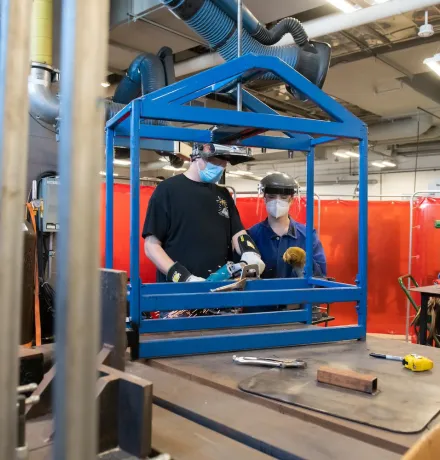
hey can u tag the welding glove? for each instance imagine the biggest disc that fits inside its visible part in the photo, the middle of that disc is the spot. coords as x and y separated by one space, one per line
179 274
296 257
253 258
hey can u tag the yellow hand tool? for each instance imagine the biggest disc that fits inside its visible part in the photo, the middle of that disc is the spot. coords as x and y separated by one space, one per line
413 362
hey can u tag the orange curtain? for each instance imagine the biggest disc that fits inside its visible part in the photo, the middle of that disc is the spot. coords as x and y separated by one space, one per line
388 224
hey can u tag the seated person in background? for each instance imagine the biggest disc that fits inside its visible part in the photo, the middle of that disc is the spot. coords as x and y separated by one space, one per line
280 240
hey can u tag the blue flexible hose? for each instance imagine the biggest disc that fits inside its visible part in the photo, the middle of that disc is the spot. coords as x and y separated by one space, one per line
220 31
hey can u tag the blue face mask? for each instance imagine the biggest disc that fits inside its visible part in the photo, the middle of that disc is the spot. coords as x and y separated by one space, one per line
212 173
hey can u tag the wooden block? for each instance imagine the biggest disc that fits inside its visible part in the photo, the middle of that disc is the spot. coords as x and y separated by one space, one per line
346 378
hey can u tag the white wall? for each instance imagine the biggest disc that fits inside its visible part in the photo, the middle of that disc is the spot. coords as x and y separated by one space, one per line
401 180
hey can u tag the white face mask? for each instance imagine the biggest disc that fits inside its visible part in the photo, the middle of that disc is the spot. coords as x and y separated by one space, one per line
278 208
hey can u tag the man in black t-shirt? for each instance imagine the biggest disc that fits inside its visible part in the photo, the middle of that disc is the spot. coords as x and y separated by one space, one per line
192 225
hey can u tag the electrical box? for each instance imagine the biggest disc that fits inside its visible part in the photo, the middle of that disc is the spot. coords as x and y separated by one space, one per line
48 214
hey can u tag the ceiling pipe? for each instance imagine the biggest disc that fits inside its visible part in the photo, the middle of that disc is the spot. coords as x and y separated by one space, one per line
318 28
43 103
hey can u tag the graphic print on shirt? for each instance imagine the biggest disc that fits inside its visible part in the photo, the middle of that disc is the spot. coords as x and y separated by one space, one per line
222 207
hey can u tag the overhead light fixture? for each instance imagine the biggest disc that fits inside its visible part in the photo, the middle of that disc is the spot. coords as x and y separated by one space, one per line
341 154
426 30
165 160
172 168
231 174
344 5
105 84
378 164
271 172
389 164
122 162
103 173
433 63
346 154
240 172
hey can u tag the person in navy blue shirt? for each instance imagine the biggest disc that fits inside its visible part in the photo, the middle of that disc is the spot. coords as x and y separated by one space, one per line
279 232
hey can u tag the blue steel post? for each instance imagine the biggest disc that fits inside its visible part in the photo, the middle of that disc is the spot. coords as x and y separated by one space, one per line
134 211
109 197
363 232
310 203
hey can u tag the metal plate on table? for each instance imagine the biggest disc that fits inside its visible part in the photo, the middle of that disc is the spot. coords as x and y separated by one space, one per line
403 403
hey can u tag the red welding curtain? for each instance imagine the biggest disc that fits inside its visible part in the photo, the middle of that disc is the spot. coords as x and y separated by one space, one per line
388 249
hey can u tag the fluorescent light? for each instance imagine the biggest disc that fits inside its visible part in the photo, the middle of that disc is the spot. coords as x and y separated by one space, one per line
344 5
341 154
103 173
271 172
378 164
433 63
105 84
389 163
346 154
122 162
163 159
240 172
172 168
230 174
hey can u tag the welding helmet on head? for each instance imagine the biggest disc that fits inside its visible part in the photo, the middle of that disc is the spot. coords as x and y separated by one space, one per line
278 183
231 153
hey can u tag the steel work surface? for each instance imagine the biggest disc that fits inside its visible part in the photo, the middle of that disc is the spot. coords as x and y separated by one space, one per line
181 438
265 430
388 409
219 372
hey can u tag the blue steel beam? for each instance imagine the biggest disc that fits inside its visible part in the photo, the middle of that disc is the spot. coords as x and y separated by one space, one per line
252 341
249 63
134 212
252 285
119 117
322 282
310 184
200 115
151 132
323 140
223 321
363 231
109 197
166 302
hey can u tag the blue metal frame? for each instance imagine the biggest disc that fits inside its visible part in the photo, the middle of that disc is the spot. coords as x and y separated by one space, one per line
247 129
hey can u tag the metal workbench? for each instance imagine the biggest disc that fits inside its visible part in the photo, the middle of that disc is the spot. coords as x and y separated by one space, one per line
205 389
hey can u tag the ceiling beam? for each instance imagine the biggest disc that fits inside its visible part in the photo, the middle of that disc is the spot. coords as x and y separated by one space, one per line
383 49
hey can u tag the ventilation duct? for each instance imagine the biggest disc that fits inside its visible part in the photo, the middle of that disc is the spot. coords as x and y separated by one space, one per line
315 28
400 129
219 29
147 73
259 31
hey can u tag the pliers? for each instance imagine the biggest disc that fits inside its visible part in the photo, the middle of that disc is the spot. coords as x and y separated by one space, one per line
270 362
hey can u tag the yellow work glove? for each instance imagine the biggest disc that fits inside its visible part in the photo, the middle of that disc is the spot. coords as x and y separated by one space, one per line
296 257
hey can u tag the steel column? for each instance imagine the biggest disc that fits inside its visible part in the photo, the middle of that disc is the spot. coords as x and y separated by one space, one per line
134 210
310 204
14 122
83 65
363 232
109 196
